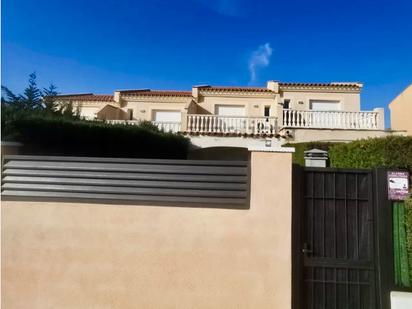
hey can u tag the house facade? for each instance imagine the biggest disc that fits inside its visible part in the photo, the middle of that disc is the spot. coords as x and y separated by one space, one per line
233 116
401 111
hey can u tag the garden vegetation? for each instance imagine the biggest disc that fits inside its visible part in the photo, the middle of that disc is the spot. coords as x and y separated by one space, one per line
386 152
46 128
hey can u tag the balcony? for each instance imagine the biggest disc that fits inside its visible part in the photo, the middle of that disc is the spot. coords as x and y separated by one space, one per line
231 125
367 120
206 124
173 127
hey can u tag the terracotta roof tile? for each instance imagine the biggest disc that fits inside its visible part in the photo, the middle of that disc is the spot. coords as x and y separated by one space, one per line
179 93
238 89
163 93
341 85
86 97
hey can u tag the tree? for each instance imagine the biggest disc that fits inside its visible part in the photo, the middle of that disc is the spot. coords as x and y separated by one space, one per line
32 98
8 97
67 110
35 100
11 109
48 98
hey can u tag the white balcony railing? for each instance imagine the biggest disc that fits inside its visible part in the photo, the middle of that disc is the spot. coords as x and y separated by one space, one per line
170 126
130 122
331 119
165 126
210 124
260 126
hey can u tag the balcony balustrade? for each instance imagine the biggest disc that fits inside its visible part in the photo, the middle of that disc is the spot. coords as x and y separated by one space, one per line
170 126
215 124
206 124
368 120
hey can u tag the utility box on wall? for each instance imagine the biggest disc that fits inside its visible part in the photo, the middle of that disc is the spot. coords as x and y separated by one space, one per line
316 158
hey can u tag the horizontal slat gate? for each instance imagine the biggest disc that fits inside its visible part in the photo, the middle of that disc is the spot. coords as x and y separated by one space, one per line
206 183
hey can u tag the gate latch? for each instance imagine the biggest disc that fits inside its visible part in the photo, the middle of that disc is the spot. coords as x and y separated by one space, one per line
306 249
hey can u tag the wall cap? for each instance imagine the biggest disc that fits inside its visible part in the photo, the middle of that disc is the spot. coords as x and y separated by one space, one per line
6 143
272 149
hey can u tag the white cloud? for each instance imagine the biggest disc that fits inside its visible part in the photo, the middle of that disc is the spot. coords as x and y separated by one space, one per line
259 59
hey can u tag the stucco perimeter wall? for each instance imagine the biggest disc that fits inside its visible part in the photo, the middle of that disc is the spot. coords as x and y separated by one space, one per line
66 255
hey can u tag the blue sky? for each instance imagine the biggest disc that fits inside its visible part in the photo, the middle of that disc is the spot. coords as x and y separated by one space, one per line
100 46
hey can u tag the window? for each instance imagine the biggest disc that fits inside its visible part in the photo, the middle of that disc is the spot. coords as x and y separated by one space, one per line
286 103
230 110
130 114
267 111
167 116
324 105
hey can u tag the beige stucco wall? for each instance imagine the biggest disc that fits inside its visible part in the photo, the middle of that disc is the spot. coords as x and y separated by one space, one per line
337 135
204 141
110 112
254 103
90 112
401 111
145 110
64 255
349 101
254 106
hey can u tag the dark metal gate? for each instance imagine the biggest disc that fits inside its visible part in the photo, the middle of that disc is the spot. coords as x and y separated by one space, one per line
336 239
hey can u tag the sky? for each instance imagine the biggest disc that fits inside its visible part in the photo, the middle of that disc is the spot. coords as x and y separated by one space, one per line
101 46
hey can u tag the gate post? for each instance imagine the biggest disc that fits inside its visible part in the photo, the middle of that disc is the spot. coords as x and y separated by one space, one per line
271 191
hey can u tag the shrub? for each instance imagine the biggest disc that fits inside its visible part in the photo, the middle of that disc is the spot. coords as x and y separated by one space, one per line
148 125
389 152
60 136
300 148
400 245
408 223
11 113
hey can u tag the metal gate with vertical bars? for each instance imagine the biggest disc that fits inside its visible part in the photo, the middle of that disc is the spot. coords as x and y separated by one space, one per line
337 239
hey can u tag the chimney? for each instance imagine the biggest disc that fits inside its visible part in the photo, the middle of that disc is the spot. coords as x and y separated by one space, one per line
195 91
273 85
117 96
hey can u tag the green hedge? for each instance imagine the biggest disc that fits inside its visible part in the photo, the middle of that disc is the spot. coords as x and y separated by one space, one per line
300 148
59 136
400 245
389 152
408 225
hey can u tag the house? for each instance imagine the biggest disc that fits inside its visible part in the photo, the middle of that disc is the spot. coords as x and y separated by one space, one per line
401 111
239 116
